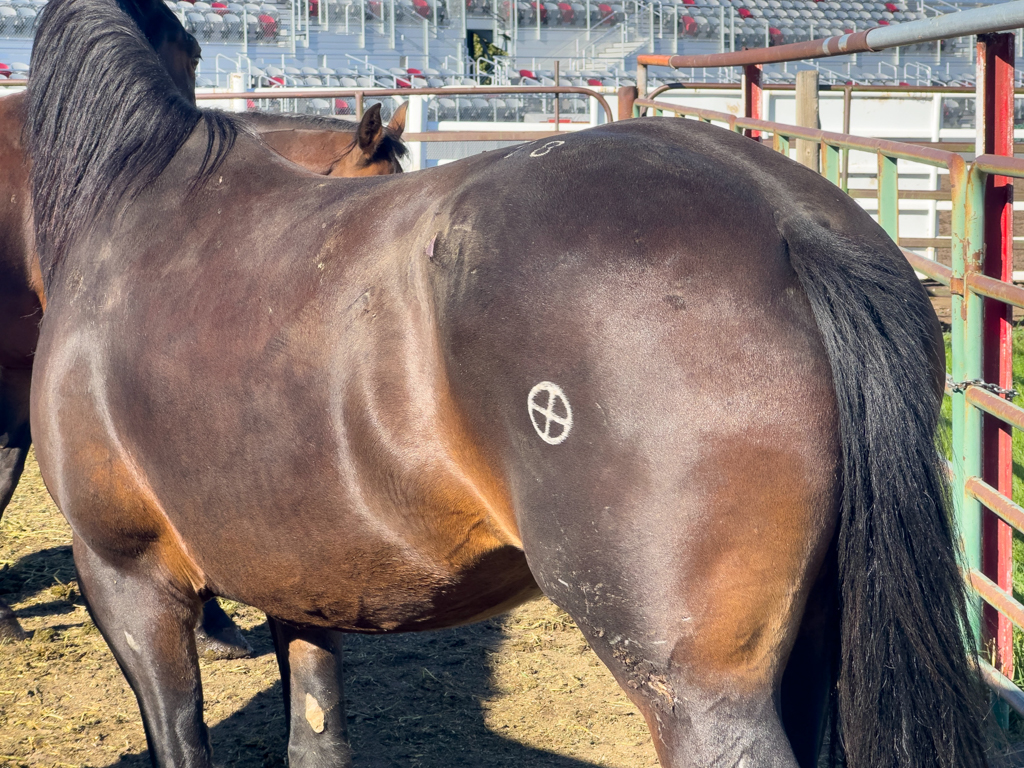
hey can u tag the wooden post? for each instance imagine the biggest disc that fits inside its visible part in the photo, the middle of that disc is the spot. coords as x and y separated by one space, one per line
807 116
627 95
752 97
558 83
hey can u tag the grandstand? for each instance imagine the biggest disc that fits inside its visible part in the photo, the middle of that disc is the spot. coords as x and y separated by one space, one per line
424 43
366 43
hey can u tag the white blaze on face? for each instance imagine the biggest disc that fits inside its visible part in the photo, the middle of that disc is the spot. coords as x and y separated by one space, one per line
550 412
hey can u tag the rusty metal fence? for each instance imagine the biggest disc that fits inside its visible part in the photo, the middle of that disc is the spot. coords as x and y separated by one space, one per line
983 297
427 147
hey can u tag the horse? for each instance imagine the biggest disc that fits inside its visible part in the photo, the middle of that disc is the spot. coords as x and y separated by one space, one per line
323 146
335 147
679 384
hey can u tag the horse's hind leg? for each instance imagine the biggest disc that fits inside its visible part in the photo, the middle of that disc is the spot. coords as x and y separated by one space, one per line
217 637
15 439
807 681
311 675
692 588
147 622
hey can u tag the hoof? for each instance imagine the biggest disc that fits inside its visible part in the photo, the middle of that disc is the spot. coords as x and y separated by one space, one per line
10 629
228 643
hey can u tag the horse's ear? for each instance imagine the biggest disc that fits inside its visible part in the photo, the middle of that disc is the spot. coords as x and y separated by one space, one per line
397 124
370 130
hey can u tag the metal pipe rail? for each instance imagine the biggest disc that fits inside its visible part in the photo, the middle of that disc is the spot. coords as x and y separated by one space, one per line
901 89
360 94
993 18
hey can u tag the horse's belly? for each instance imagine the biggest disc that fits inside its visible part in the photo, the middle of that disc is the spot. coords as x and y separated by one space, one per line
372 590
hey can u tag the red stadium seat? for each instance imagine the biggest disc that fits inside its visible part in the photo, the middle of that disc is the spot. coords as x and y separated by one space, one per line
268 27
689 25
568 14
743 12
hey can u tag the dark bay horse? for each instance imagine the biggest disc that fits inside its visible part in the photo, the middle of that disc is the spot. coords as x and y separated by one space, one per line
680 384
333 147
322 146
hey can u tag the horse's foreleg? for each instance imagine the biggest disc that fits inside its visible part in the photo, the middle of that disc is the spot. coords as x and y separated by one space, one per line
15 440
147 622
311 675
217 637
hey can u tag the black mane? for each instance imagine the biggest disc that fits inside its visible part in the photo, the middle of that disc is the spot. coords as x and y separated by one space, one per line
105 120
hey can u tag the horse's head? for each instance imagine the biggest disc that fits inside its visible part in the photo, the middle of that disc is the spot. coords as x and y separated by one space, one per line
377 148
177 48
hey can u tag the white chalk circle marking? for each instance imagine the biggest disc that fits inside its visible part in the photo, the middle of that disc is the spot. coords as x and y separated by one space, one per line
550 412
543 151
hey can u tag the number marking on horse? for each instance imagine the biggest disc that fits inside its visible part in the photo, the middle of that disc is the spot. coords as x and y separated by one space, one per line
550 412
546 148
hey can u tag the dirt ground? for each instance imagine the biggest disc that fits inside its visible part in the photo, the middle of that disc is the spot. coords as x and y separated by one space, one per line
522 690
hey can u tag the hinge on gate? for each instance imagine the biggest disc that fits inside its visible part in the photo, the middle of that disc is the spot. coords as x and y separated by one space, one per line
956 286
960 386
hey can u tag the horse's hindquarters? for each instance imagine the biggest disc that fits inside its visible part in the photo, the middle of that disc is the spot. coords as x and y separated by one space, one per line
670 438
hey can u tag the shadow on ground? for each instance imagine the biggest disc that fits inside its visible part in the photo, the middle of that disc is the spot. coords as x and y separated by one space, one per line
415 701
37 571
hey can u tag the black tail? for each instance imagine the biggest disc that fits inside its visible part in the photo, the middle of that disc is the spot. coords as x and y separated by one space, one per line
909 693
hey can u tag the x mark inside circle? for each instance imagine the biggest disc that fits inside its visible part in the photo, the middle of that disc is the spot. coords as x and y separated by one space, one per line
550 412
